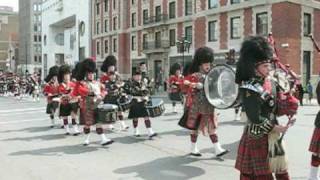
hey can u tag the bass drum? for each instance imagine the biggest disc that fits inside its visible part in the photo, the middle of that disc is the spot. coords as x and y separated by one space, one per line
220 88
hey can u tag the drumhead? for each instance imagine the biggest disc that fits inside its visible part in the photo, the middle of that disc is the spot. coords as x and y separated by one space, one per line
220 87
154 102
108 106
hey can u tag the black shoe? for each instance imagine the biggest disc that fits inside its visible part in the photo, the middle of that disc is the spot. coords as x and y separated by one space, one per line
52 126
153 135
107 143
62 127
138 135
67 133
222 154
196 154
76 134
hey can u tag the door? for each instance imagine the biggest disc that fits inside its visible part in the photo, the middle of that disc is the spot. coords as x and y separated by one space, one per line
306 72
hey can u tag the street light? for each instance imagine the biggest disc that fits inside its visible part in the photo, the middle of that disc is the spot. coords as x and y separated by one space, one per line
183 45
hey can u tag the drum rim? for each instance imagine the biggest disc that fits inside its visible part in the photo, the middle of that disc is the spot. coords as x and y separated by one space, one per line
206 81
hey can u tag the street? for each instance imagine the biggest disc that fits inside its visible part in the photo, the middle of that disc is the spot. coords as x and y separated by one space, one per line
30 150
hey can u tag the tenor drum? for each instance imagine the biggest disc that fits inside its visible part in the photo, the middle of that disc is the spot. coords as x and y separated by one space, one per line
155 107
106 113
125 102
220 88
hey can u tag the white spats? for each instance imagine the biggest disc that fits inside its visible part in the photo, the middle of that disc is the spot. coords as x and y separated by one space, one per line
219 151
314 173
87 140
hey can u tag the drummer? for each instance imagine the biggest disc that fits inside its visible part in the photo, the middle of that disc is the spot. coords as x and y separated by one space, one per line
51 91
200 113
91 94
140 92
69 105
113 83
175 81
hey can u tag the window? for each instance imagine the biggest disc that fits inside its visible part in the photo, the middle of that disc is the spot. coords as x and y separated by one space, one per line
39 28
35 7
106 46
172 36
35 28
145 41
115 19
133 20
172 10
235 27
39 38
158 39
98 47
114 4
262 23
98 28
133 43
235 1
212 30
40 59
45 40
158 13
106 25
145 16
188 7
306 24
114 45
97 8
188 33
133 2
106 5
35 58
35 38
212 4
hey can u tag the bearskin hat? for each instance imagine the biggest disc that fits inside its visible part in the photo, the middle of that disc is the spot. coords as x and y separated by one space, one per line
254 50
64 69
174 68
201 56
85 66
136 72
75 70
109 61
53 71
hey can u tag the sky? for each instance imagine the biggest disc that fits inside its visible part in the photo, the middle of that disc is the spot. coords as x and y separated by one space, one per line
11 3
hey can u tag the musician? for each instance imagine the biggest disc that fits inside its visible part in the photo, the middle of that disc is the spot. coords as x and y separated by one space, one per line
51 91
68 104
138 89
35 85
113 83
256 159
201 114
91 94
145 76
175 81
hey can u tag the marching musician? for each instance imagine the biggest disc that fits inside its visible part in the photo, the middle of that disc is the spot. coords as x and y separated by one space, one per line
68 104
34 83
139 90
259 155
175 81
51 91
145 76
200 113
91 93
113 83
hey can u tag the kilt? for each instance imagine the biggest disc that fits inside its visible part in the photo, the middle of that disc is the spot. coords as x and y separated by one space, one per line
253 156
176 96
206 123
52 106
315 141
88 111
138 110
65 109
74 107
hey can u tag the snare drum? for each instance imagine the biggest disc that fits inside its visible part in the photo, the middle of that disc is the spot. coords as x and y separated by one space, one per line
155 107
106 113
125 102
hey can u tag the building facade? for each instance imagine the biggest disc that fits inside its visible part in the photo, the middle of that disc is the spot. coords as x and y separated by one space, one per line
9 24
151 30
66 32
30 58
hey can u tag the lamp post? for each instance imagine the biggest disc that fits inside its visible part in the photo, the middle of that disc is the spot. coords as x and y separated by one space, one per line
183 45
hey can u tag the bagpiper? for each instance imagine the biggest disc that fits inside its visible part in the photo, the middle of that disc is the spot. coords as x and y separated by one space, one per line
199 114
91 94
113 84
175 82
68 104
140 92
259 153
51 91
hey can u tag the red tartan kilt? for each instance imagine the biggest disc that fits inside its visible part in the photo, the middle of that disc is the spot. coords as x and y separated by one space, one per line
315 141
252 155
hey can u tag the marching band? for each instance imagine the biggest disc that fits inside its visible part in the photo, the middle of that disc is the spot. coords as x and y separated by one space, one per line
78 95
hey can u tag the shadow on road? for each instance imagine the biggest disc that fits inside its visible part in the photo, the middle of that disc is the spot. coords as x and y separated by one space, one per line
41 137
57 151
231 123
168 168
30 129
233 148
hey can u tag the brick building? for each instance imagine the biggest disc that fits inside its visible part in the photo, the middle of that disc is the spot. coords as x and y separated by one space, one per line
148 30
